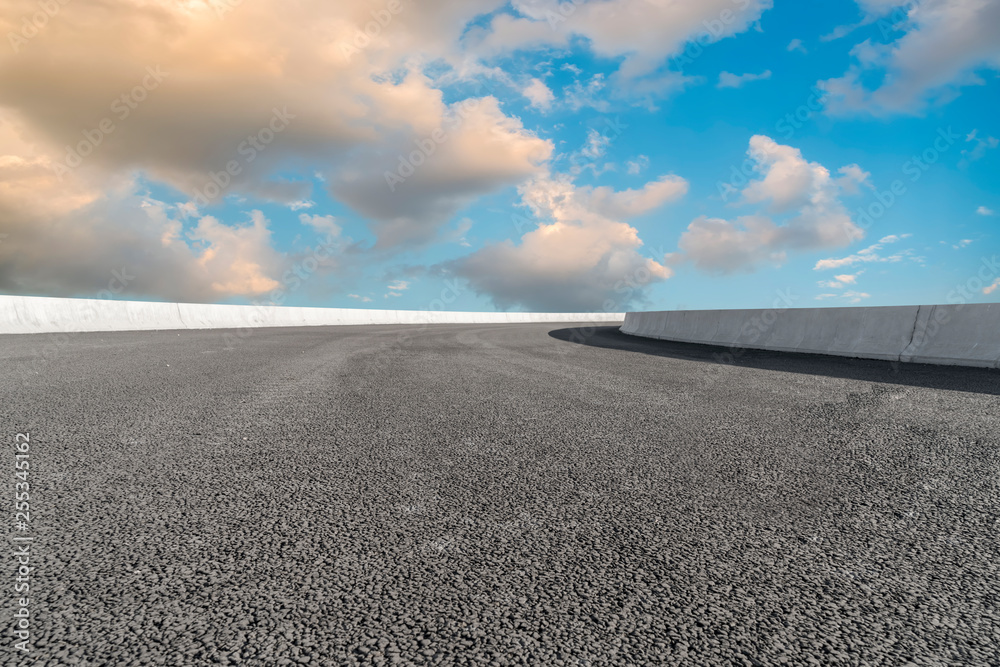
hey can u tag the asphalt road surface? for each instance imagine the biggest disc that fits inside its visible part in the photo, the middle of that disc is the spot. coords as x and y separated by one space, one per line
496 495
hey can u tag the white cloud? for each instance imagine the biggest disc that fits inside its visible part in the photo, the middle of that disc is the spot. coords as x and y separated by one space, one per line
796 45
790 185
412 186
591 94
989 289
853 177
597 144
982 210
723 246
945 43
538 94
347 113
978 150
645 34
866 255
325 224
630 203
964 243
852 297
67 236
856 297
362 299
875 8
237 260
637 165
579 258
398 286
728 80
841 281
893 238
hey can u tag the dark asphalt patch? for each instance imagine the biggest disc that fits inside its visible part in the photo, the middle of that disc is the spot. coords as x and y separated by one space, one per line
497 495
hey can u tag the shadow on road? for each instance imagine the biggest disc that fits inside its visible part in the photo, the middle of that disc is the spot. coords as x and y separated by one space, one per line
954 378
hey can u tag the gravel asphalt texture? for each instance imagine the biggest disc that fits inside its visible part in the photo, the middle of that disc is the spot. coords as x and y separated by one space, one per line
498 495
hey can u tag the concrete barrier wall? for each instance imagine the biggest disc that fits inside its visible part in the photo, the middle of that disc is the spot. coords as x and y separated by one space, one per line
960 335
24 314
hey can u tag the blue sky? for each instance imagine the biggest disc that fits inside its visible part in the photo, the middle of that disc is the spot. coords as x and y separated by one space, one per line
609 155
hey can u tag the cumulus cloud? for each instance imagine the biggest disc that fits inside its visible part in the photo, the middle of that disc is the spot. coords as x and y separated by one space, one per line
982 210
413 185
803 192
325 224
581 257
727 246
76 235
538 94
237 259
254 104
945 43
729 80
629 203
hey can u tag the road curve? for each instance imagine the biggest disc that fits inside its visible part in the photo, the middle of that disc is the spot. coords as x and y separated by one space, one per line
498 495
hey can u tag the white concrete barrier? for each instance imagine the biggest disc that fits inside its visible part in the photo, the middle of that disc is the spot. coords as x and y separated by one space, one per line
27 314
968 333
960 335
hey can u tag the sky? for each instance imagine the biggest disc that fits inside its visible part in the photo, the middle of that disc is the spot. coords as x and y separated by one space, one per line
583 156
